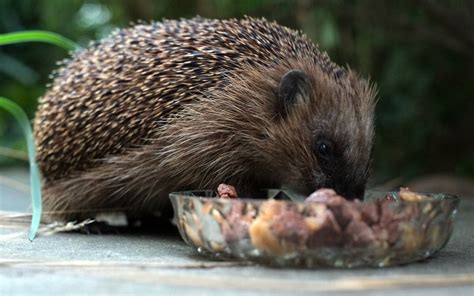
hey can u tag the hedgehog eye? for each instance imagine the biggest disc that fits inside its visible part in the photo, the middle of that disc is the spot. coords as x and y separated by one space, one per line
323 149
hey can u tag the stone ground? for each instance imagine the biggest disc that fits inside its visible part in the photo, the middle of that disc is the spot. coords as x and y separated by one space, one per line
74 263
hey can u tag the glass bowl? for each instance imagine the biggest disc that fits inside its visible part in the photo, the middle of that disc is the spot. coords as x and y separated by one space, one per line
286 233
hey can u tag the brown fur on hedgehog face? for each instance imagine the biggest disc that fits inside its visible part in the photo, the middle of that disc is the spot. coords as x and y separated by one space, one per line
273 143
331 123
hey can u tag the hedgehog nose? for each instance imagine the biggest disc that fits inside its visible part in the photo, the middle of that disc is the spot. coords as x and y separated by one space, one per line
351 193
347 189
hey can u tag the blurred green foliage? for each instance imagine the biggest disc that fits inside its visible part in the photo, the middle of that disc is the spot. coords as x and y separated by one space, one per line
418 52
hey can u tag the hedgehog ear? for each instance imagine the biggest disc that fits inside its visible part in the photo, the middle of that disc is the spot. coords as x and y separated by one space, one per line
292 90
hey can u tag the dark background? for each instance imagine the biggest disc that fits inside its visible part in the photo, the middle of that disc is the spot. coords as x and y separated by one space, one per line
419 52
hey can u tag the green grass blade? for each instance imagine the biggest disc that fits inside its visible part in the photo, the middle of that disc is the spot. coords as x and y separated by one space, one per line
37 36
35 177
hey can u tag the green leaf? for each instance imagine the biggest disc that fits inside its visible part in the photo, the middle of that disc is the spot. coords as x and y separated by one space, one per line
35 177
37 36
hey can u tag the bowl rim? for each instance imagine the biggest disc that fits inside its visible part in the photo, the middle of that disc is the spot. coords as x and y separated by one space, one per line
186 194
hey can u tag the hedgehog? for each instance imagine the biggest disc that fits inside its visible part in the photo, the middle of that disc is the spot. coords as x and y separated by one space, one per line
192 103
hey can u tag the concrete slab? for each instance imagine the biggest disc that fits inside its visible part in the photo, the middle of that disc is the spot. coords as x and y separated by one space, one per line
144 263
